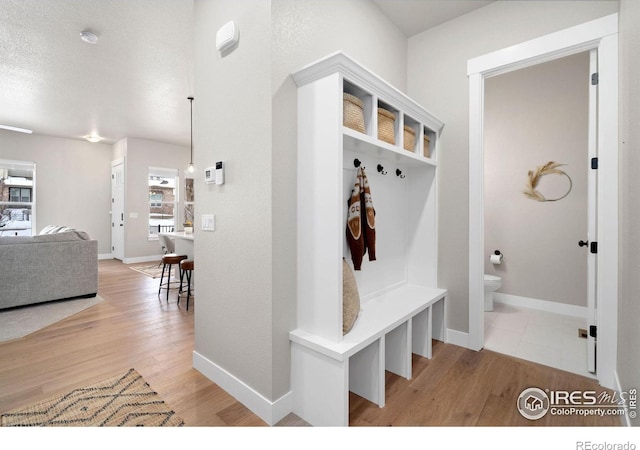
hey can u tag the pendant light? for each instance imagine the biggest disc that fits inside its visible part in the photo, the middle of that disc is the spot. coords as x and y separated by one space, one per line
190 167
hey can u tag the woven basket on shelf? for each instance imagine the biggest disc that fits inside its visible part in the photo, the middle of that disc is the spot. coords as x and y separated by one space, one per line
427 150
409 138
353 116
386 129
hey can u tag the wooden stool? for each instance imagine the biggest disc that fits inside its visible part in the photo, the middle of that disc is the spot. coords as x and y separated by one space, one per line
169 260
186 266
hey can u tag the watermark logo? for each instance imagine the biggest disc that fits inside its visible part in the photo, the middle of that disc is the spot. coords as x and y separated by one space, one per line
589 445
533 403
632 400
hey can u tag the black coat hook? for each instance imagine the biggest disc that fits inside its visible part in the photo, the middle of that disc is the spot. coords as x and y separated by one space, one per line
399 173
381 169
357 162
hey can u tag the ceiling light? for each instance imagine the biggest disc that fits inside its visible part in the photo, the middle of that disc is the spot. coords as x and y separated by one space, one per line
21 130
88 37
93 138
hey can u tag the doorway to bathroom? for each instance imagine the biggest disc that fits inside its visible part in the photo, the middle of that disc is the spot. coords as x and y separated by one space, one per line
599 35
536 209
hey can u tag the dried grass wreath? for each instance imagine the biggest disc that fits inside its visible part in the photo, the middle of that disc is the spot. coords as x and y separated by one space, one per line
534 178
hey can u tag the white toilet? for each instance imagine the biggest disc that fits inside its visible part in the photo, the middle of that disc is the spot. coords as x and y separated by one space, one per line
491 284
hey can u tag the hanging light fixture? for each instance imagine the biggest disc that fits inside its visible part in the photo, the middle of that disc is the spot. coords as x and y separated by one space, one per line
190 167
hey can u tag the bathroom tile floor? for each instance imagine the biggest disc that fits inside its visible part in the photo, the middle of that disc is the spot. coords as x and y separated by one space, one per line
538 336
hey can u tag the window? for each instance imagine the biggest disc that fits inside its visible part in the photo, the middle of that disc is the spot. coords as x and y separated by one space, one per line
17 200
189 199
155 197
163 200
18 195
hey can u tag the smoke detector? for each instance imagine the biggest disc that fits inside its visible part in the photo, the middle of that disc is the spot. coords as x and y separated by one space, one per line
88 37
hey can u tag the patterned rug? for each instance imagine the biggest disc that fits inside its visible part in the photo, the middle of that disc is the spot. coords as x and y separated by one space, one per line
152 270
122 401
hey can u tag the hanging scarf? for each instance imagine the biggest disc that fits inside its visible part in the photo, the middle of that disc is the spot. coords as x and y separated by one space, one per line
361 221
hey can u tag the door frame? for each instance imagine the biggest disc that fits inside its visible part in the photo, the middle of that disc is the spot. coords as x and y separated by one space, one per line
115 163
602 35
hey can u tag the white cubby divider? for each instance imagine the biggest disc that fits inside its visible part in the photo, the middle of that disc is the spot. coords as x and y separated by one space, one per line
402 309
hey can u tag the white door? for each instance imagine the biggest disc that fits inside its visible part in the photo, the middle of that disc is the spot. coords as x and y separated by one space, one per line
592 209
117 210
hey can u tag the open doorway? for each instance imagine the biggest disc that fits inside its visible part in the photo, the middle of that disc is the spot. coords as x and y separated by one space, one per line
536 204
599 35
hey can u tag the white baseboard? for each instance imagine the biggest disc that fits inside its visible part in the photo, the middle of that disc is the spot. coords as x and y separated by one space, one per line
541 305
270 412
624 419
105 256
141 259
459 338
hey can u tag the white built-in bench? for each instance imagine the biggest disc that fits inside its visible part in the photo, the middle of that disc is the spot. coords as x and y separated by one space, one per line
400 313
389 328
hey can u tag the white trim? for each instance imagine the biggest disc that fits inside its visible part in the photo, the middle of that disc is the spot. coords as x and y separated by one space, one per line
26 165
459 338
270 412
607 227
541 305
105 256
624 419
562 43
600 34
165 172
476 212
592 216
117 161
141 259
114 163
339 62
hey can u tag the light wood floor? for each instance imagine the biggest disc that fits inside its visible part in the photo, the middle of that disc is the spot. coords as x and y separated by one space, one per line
133 329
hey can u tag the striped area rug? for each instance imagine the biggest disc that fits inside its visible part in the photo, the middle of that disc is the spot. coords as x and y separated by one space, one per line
125 400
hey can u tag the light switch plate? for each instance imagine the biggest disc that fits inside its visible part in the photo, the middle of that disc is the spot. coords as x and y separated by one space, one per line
208 222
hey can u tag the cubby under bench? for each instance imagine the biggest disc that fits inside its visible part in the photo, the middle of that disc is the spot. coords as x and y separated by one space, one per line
390 327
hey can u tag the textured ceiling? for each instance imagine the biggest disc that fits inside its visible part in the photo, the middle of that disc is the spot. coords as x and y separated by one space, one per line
416 16
135 81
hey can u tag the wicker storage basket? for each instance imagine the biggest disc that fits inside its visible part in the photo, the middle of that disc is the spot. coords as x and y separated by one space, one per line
386 129
409 138
353 116
427 150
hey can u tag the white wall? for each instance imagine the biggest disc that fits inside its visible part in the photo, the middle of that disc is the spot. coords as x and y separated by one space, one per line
72 182
245 115
232 123
303 32
437 78
532 116
629 306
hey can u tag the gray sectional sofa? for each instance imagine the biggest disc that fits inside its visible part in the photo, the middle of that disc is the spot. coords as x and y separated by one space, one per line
46 267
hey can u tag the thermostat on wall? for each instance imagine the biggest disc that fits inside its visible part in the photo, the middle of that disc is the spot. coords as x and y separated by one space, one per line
215 174
210 175
227 36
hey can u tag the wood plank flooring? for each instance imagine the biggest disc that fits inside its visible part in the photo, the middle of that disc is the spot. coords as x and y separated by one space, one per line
132 328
